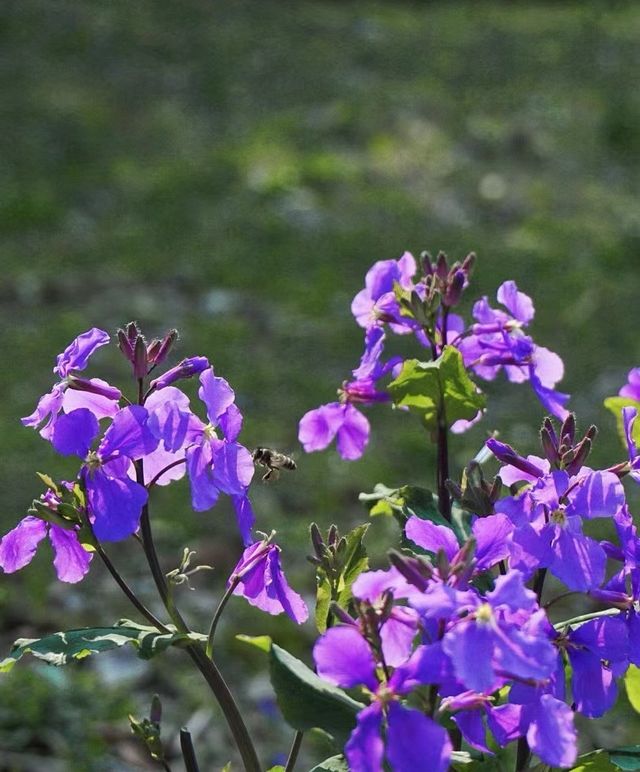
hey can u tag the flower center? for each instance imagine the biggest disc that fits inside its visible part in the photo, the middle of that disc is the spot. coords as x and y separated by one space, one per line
210 432
484 614
558 517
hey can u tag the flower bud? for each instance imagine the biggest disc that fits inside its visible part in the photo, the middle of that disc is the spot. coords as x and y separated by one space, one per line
164 347
454 288
185 369
140 362
94 386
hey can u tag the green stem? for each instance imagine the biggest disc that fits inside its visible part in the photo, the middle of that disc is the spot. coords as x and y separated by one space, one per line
128 591
218 613
609 612
206 666
293 753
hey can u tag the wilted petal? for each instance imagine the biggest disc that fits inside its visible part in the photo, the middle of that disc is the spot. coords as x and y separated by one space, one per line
77 353
49 405
75 432
343 657
72 560
18 547
416 743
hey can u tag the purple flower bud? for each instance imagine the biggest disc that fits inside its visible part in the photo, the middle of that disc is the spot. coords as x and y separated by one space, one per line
441 269
160 353
185 369
124 344
93 386
454 288
508 455
140 363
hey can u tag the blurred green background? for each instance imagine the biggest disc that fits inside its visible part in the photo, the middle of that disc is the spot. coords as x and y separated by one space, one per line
233 169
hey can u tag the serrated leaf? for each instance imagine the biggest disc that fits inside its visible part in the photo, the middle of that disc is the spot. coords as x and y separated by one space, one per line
308 702
632 685
615 405
441 386
596 761
626 758
63 647
262 642
333 764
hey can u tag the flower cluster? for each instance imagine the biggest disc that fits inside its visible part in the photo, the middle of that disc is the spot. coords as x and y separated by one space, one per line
400 299
482 643
125 449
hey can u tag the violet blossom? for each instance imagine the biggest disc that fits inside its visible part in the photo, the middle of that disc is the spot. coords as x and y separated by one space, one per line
259 578
497 341
71 392
342 420
114 500
18 547
410 741
214 464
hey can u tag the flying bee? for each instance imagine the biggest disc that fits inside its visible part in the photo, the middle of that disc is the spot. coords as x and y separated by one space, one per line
273 462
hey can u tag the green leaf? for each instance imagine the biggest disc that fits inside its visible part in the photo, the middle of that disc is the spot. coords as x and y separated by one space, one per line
615 405
61 648
333 764
596 761
632 685
627 757
262 642
354 563
308 702
442 386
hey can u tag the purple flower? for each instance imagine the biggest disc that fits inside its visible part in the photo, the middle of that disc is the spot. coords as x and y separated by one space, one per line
114 500
498 636
631 389
262 582
215 465
376 303
412 741
548 525
18 547
497 341
491 536
598 651
71 392
341 420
